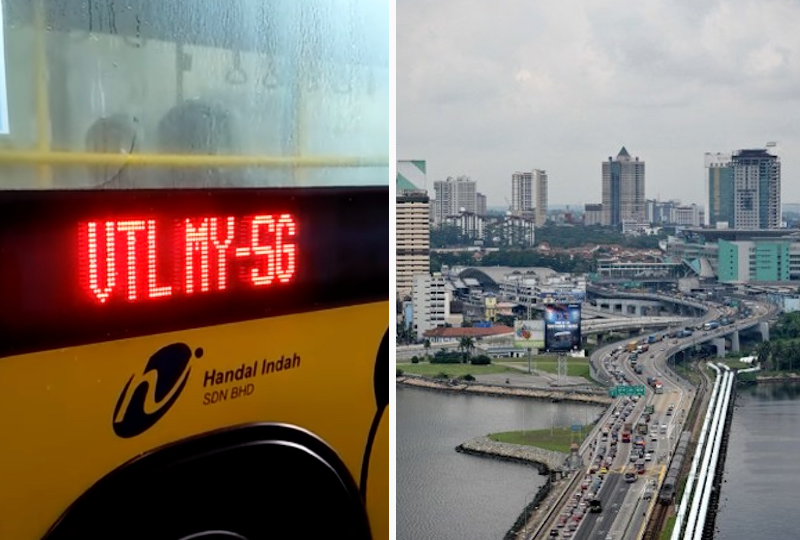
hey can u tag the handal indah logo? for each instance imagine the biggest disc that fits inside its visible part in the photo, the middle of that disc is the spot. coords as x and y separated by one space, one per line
149 395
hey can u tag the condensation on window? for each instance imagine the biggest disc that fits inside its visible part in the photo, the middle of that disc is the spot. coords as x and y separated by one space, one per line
153 94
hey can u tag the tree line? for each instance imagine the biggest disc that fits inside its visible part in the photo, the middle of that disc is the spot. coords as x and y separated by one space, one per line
782 351
557 236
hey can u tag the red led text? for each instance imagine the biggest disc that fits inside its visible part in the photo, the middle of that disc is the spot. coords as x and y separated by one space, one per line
143 259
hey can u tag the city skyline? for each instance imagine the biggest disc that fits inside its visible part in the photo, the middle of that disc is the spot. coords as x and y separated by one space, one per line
559 86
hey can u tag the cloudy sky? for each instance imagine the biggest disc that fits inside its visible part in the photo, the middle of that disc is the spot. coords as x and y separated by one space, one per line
485 88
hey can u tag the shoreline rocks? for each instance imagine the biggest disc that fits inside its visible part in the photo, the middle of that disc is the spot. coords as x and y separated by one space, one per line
504 391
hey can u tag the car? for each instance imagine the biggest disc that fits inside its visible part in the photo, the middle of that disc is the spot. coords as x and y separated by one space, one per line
602 470
648 456
553 533
654 437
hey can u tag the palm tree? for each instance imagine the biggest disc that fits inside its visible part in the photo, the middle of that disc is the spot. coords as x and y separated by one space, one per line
466 344
427 345
763 350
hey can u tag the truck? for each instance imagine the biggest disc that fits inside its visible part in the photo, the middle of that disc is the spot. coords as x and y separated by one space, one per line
658 387
626 433
632 346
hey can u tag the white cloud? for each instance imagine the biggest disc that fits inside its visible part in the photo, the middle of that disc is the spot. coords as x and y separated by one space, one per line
487 88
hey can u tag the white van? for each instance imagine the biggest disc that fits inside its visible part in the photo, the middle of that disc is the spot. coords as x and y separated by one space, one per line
663 429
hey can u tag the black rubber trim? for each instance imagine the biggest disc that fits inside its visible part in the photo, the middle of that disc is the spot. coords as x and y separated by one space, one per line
69 524
381 388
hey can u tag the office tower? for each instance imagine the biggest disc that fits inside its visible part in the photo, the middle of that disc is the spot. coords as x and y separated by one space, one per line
720 190
757 189
412 228
623 189
453 196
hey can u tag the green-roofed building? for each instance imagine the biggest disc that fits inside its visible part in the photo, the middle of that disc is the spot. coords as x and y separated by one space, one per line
412 234
411 175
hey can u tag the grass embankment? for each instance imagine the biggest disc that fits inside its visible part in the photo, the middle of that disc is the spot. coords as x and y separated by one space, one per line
688 370
426 369
669 524
576 367
557 439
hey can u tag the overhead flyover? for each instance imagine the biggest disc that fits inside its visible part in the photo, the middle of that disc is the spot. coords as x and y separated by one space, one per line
625 323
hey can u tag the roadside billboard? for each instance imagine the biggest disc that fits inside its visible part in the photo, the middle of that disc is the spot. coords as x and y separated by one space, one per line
529 334
562 325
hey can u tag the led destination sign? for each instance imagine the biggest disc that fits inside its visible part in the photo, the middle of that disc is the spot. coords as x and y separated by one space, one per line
147 259
84 266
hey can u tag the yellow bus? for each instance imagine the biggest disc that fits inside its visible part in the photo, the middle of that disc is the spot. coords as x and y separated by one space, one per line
194 241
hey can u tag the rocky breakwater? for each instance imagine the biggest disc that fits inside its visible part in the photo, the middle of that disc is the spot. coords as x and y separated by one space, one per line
544 460
505 391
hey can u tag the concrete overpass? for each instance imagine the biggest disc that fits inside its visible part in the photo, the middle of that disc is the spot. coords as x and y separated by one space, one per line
627 303
723 338
625 323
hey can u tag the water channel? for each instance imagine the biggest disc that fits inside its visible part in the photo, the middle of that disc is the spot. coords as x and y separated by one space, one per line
762 472
444 495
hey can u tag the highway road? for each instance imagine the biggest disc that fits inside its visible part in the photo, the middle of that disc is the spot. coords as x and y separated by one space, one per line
624 505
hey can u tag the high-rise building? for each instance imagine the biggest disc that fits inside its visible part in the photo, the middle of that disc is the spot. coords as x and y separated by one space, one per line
623 189
480 204
453 196
529 194
757 190
412 238
522 192
720 190
540 202
431 303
